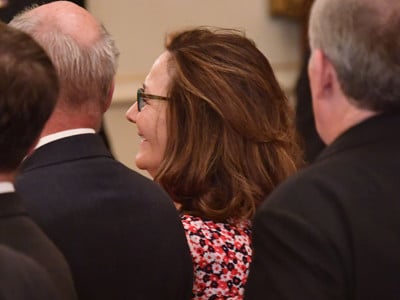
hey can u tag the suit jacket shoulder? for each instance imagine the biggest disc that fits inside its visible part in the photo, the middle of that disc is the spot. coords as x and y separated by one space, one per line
119 231
327 229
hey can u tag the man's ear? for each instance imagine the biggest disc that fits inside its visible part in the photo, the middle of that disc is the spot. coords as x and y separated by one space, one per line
322 74
326 95
109 97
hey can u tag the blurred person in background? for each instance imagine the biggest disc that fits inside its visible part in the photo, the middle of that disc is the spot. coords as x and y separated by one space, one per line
28 94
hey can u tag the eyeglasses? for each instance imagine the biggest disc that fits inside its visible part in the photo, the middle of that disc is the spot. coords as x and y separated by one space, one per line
141 96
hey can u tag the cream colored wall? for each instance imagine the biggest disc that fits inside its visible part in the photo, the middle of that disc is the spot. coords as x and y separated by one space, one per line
139 28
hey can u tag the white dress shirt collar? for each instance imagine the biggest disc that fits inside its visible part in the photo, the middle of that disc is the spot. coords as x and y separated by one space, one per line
6 187
63 134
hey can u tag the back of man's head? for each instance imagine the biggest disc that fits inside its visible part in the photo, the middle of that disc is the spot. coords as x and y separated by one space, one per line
361 39
28 93
82 51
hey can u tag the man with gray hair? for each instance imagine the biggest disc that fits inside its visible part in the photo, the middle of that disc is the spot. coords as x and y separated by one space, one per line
332 231
119 232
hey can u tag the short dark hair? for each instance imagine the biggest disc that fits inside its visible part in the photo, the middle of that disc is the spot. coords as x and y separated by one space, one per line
28 93
231 136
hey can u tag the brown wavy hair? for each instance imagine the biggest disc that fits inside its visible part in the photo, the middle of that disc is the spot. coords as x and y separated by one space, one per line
231 137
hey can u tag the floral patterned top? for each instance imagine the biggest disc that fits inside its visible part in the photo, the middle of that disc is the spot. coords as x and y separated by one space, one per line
221 256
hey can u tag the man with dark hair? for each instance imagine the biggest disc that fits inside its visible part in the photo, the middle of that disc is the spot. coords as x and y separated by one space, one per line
118 230
28 94
332 231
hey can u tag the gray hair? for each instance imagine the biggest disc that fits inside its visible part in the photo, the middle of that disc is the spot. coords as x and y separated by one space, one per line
85 72
361 39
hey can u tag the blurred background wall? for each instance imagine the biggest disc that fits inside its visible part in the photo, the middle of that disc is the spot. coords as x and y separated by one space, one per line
139 27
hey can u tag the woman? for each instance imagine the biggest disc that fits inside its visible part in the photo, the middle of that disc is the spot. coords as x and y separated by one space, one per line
217 133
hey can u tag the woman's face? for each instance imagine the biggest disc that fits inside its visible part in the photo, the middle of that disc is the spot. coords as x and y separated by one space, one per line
151 120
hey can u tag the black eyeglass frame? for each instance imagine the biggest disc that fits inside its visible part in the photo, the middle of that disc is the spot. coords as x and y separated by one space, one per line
141 95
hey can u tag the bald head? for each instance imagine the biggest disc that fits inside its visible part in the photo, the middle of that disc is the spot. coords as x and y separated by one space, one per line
67 18
83 52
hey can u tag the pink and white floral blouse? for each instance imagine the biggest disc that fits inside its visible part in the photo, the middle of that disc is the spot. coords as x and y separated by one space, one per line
221 256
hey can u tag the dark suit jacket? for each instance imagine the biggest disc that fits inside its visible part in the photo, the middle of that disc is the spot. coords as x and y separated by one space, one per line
333 230
118 230
22 278
20 233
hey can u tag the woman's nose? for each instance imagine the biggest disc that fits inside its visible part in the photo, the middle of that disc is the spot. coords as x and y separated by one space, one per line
132 112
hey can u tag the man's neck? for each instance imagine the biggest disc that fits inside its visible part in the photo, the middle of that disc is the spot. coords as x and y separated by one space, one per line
7 177
349 119
63 119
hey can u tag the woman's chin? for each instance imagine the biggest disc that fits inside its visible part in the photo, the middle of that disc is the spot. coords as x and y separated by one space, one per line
145 165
